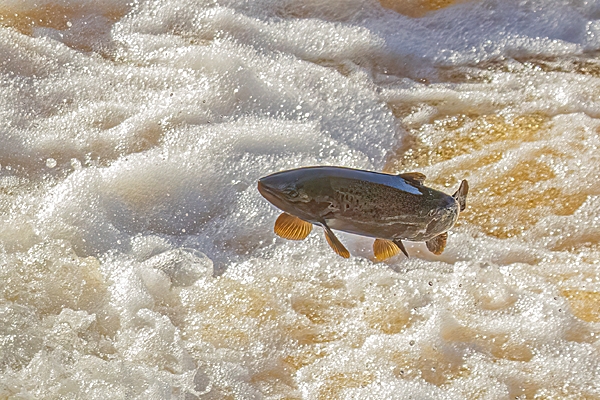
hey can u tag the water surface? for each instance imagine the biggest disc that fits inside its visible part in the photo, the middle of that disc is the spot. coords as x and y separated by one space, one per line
138 260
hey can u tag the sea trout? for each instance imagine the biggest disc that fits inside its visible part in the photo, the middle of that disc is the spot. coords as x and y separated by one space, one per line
389 208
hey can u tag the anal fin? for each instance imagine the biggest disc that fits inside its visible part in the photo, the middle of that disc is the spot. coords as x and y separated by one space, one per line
293 228
335 243
384 249
437 244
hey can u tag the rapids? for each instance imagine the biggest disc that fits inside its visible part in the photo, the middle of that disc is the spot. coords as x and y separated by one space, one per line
138 260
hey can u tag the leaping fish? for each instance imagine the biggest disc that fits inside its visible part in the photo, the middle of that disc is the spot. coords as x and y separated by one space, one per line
389 208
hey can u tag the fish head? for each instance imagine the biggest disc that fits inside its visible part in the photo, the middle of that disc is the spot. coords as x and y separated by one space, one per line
286 191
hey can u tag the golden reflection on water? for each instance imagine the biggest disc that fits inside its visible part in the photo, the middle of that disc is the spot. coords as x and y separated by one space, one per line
504 204
483 131
47 16
585 305
485 140
337 382
416 8
53 15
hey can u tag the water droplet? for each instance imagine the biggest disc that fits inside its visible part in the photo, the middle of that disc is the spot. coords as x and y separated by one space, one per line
75 164
51 163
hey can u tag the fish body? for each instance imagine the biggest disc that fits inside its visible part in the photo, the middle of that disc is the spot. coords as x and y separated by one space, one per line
390 208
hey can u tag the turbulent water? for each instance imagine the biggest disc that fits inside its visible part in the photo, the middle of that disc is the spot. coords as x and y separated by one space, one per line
138 260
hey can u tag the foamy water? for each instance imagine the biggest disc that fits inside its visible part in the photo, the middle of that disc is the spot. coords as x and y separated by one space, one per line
138 260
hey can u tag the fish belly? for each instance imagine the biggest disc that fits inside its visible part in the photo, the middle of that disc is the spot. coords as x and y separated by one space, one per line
412 227
407 231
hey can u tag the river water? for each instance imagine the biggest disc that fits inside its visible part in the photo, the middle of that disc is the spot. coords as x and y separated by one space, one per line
138 260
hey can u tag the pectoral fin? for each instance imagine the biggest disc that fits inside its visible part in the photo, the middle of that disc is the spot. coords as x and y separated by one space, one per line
335 243
438 243
289 227
384 249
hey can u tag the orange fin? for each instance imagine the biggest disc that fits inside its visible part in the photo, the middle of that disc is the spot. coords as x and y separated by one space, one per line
437 244
384 249
289 227
335 243
416 177
461 194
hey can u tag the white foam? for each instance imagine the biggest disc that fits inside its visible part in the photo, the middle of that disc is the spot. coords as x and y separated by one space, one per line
138 259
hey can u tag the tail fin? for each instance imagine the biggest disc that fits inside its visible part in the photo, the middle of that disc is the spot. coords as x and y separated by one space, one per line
461 194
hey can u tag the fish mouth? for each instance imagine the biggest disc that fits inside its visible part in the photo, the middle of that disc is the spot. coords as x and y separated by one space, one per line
265 190
270 194
278 199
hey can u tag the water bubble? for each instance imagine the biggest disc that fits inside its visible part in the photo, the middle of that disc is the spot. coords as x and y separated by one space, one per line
50 162
75 164
183 266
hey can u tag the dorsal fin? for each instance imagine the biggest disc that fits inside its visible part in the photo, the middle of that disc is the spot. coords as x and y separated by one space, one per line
415 177
461 194
293 228
437 244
